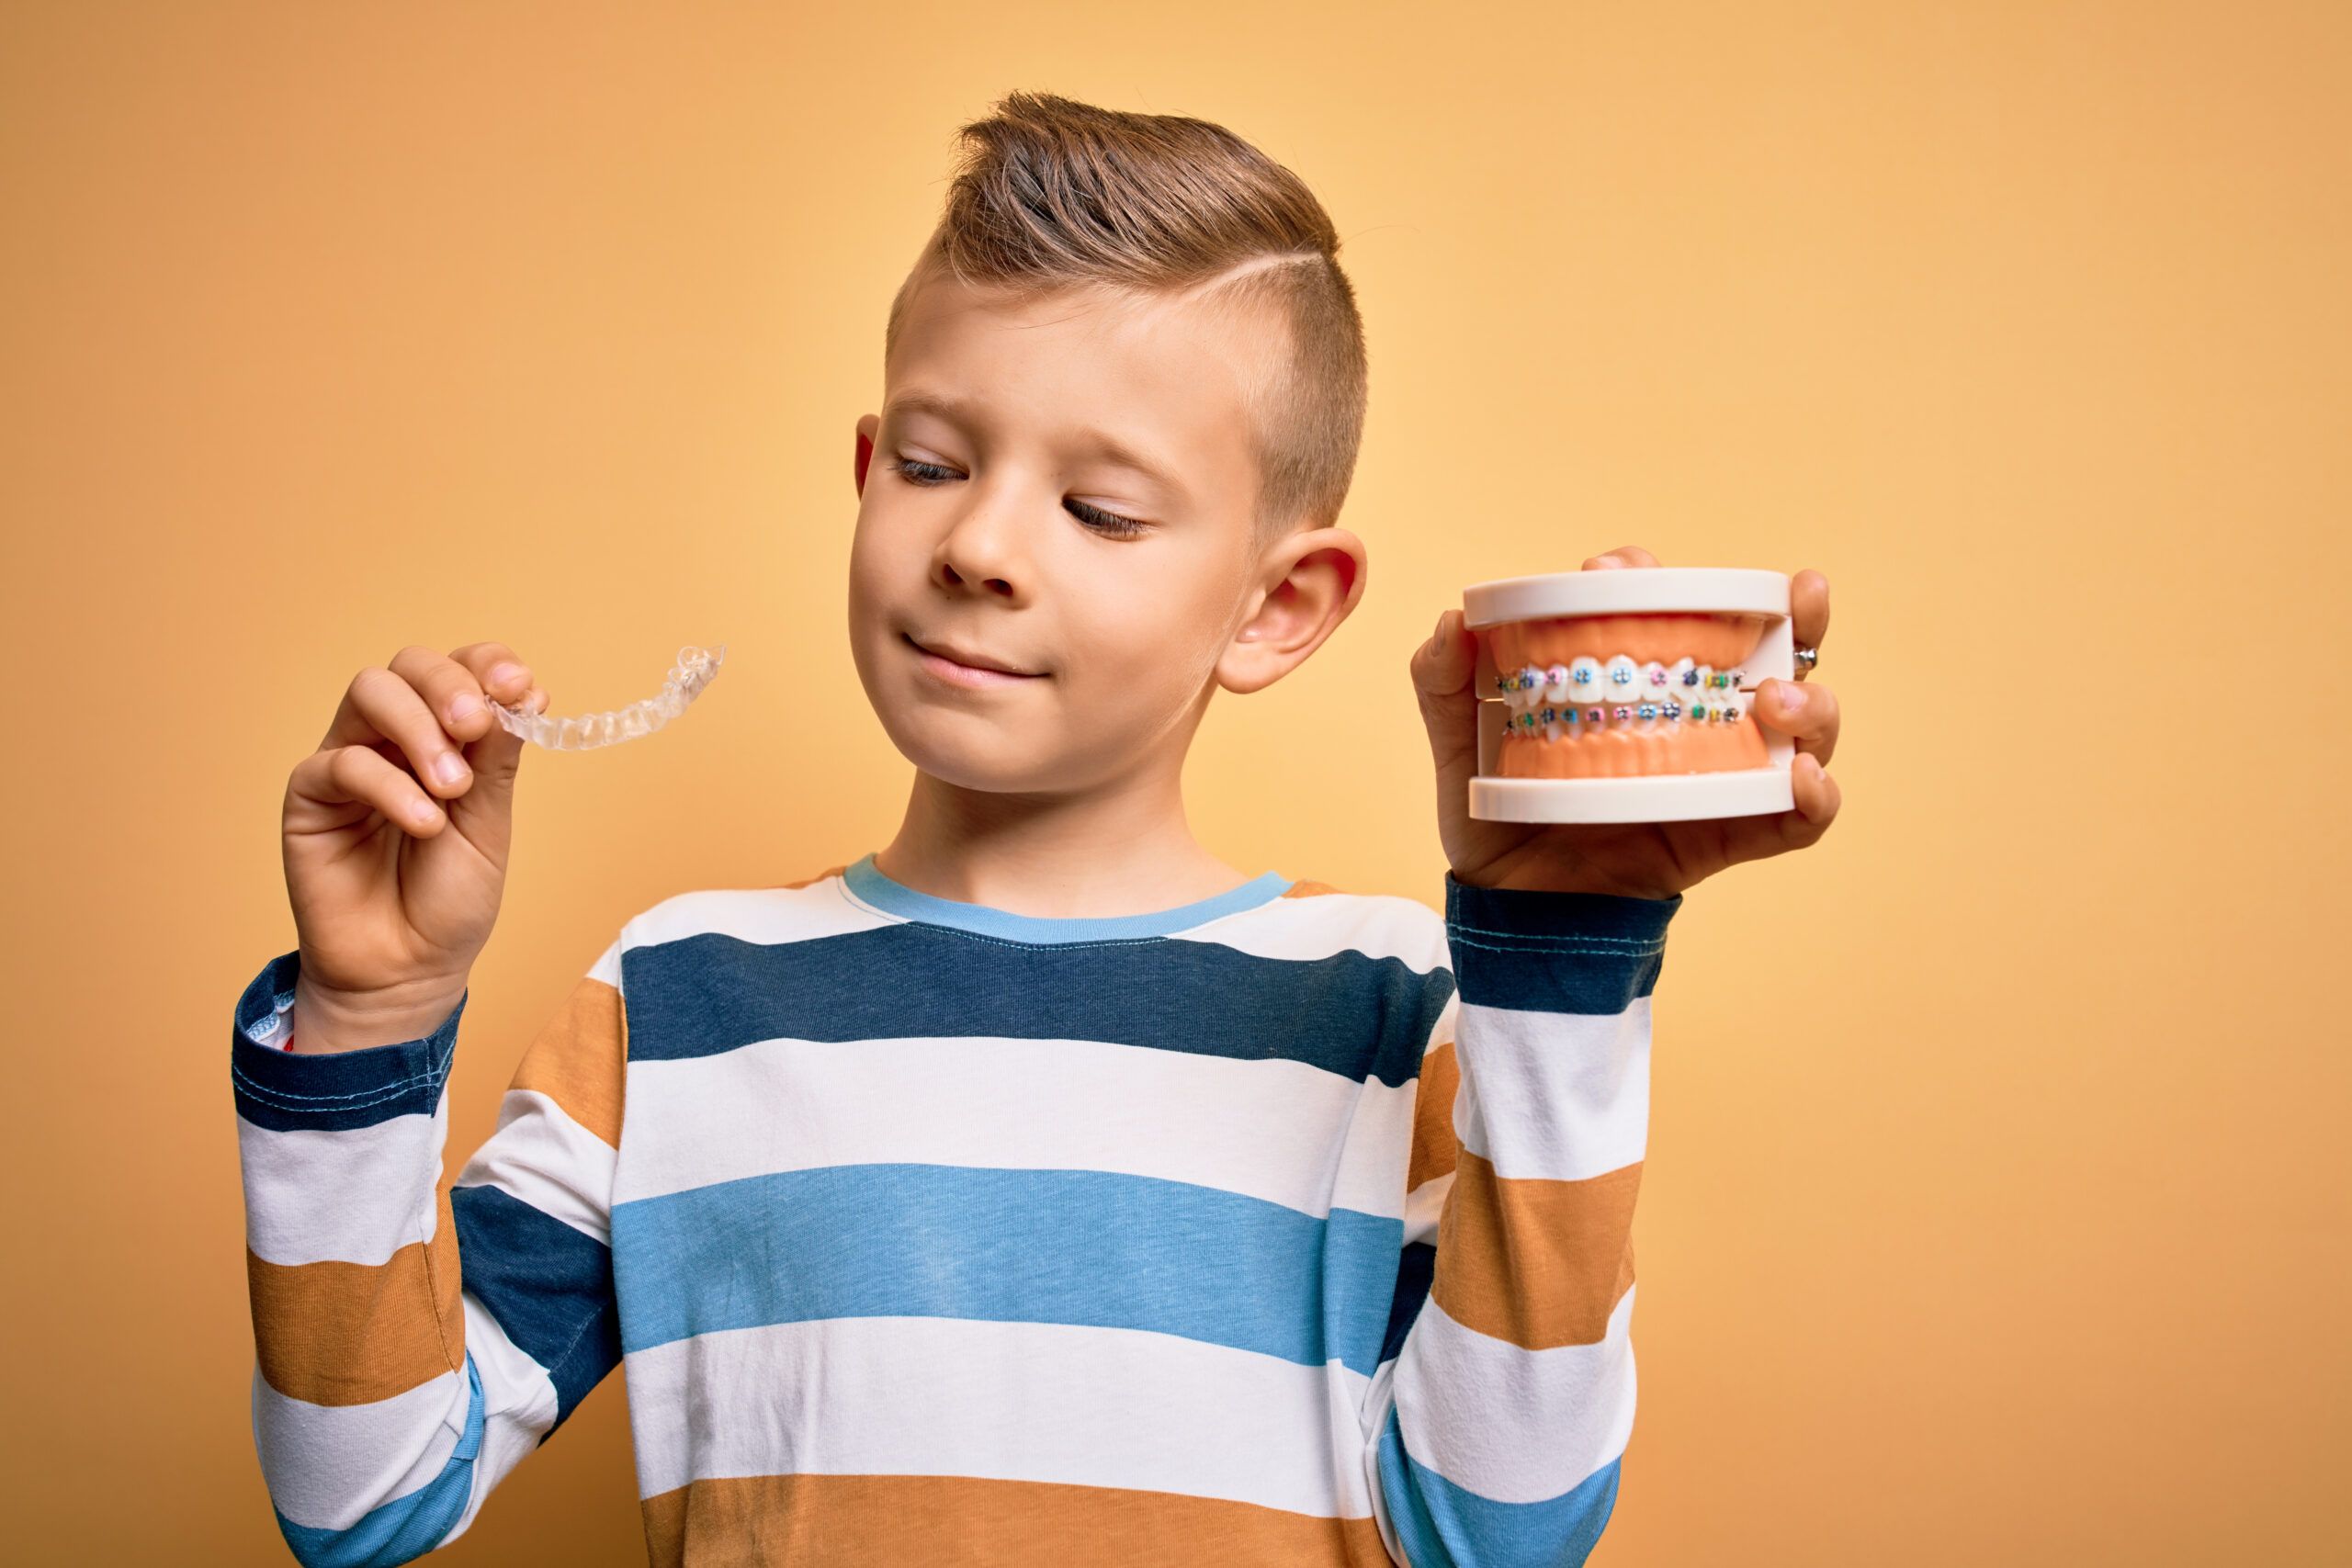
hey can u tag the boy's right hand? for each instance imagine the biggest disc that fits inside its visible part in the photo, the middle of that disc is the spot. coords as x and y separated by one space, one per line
395 868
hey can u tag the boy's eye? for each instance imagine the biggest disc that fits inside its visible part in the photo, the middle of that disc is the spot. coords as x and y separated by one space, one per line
1109 524
920 473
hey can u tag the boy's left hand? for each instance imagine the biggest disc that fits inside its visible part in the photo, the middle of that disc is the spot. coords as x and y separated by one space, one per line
1641 860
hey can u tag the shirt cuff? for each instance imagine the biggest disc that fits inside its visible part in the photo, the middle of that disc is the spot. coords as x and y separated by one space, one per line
329 1091
1542 951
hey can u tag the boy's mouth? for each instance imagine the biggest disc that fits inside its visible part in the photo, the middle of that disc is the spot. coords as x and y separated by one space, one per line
967 667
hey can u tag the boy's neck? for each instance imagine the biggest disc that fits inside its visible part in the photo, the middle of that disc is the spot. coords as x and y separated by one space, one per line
1123 849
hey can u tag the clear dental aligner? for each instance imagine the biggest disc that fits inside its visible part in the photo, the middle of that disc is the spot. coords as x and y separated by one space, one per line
1609 696
696 668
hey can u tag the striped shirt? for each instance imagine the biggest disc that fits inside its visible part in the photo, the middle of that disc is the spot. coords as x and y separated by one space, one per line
1289 1226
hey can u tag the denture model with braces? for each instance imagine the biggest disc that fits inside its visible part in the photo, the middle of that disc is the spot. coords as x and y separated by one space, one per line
1626 695
696 669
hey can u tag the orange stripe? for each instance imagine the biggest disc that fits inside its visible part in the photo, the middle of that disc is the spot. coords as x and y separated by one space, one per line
577 1060
1537 1262
336 1333
911 1521
1435 1143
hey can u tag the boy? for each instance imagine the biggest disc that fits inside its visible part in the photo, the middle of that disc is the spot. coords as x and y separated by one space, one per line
1037 1187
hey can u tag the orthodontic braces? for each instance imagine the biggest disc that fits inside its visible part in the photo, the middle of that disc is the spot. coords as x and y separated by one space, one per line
1585 695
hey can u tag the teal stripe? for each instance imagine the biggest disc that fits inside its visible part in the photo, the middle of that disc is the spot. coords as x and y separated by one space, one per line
1074 1247
1442 1525
896 898
409 1525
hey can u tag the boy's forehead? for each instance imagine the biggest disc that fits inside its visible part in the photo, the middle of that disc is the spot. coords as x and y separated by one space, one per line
1165 372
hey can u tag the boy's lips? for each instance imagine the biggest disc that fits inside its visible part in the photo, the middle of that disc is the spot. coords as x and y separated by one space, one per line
962 666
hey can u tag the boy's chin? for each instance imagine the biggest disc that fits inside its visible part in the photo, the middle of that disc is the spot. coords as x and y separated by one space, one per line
993 764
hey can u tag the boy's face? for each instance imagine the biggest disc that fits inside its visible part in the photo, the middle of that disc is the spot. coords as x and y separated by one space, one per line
998 519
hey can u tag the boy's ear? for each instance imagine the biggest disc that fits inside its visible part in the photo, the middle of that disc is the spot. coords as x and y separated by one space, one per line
1312 580
867 427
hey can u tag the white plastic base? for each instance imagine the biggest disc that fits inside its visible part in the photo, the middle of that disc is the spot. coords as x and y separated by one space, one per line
1658 797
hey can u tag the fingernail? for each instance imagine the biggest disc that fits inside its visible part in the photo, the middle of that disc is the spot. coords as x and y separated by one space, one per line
504 674
464 708
1439 634
1793 697
448 769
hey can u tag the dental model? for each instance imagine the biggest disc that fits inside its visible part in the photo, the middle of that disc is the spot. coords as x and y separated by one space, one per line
1624 697
696 669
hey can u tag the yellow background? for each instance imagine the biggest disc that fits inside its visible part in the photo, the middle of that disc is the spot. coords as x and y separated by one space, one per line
1997 1206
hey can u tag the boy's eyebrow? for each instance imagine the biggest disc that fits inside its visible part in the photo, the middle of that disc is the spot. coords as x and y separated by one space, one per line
1100 441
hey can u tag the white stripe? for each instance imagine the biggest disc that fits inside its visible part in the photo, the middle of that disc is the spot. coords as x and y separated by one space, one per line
1378 925
1282 1131
1085 1406
607 966
1514 1424
762 915
326 1466
352 1196
541 1156
1423 1207
1554 1095
518 1405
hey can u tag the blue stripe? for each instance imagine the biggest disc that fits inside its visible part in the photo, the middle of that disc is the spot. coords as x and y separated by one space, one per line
408 1527
1581 953
331 1092
1442 1525
1074 1247
894 898
1347 1013
550 1286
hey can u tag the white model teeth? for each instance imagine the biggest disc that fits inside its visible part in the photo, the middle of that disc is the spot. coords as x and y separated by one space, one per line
1558 701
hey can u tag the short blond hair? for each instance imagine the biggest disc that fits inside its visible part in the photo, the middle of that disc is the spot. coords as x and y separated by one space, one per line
1052 193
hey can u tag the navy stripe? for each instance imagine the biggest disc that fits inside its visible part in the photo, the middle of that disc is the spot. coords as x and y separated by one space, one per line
1442 1525
550 1286
1537 951
1415 1269
1077 1247
331 1092
409 1526
1348 1013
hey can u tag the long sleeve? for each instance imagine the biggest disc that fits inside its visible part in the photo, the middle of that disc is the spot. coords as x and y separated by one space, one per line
1494 1440
414 1344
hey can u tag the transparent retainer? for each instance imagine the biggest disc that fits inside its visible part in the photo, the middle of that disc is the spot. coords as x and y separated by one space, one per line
696 669
1628 695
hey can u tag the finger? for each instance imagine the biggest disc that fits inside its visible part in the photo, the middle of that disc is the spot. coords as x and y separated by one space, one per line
496 667
1818 799
343 775
381 704
1442 668
1809 608
1622 556
1806 714
449 688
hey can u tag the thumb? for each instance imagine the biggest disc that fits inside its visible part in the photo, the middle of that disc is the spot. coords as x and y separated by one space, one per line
483 810
1442 668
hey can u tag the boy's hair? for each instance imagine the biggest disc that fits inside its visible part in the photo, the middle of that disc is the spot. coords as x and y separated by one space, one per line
1052 193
